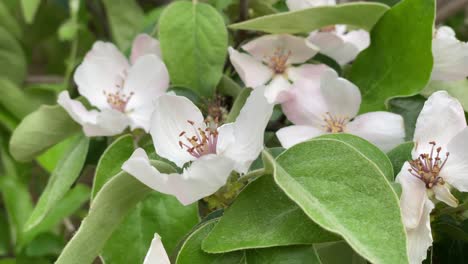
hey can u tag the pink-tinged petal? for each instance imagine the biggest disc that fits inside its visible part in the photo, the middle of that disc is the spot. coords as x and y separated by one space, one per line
306 71
455 170
442 193
383 129
413 197
305 104
359 38
170 118
420 237
76 109
144 44
147 79
292 135
334 46
342 97
252 72
294 5
278 85
141 117
156 252
265 47
102 70
441 118
242 141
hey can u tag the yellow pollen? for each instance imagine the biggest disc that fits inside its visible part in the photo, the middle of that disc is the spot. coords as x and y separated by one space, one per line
118 100
278 62
335 124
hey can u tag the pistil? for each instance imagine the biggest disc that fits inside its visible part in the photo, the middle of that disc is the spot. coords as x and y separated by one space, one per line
427 166
278 62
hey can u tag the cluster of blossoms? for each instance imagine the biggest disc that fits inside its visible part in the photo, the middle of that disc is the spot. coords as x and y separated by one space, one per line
133 93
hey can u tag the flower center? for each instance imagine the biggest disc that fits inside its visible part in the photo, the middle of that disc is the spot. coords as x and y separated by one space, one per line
335 124
278 62
330 28
202 142
118 100
427 167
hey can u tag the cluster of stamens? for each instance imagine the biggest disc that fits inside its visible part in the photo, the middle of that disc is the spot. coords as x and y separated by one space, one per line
203 142
335 124
427 167
118 100
278 62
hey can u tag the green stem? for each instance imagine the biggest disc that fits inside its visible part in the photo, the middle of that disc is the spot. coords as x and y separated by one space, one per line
252 175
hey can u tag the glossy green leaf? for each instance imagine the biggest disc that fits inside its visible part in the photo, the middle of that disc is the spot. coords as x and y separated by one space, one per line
399 155
263 216
112 204
12 57
193 33
40 130
401 46
62 178
457 89
29 8
409 108
361 15
342 184
111 161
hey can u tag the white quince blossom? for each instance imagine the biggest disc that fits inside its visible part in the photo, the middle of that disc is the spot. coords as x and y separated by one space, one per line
271 60
123 91
156 253
450 56
180 134
440 160
294 5
330 105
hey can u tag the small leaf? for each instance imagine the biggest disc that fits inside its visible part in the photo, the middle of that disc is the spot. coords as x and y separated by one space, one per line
399 155
409 108
361 15
49 159
194 45
238 104
8 21
291 254
29 8
12 57
228 86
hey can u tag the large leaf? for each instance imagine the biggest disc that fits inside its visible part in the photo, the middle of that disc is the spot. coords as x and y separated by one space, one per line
111 161
457 89
341 184
399 59
62 178
263 216
361 15
12 58
194 45
109 208
39 130
126 20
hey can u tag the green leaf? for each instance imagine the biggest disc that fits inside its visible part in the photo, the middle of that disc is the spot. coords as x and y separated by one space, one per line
457 89
158 213
29 8
111 161
338 253
399 155
44 245
126 20
194 34
228 86
12 57
409 108
110 207
5 237
361 15
342 184
49 159
263 216
401 46
7 120
283 255
62 178
8 21
238 104
40 130
16 100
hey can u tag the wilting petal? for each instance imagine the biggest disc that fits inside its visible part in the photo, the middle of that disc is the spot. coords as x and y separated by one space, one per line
147 79
420 237
385 130
156 253
202 178
334 46
441 118
455 170
108 122
252 72
292 135
242 141
294 5
307 71
171 117
263 48
442 193
102 70
450 56
278 85
342 97
144 44
412 197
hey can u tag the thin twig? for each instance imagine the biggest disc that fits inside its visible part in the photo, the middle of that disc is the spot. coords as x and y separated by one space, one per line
44 79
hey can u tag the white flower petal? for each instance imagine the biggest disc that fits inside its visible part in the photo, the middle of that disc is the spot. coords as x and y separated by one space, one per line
101 71
294 5
292 135
442 193
264 47
156 253
412 197
385 130
450 56
242 141
455 170
147 79
170 118
359 38
420 237
141 117
441 118
342 97
307 71
252 72
144 44
278 85
334 46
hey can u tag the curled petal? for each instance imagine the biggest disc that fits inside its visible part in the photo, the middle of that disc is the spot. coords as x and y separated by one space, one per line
455 170
292 135
442 193
252 72
156 253
420 237
144 44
